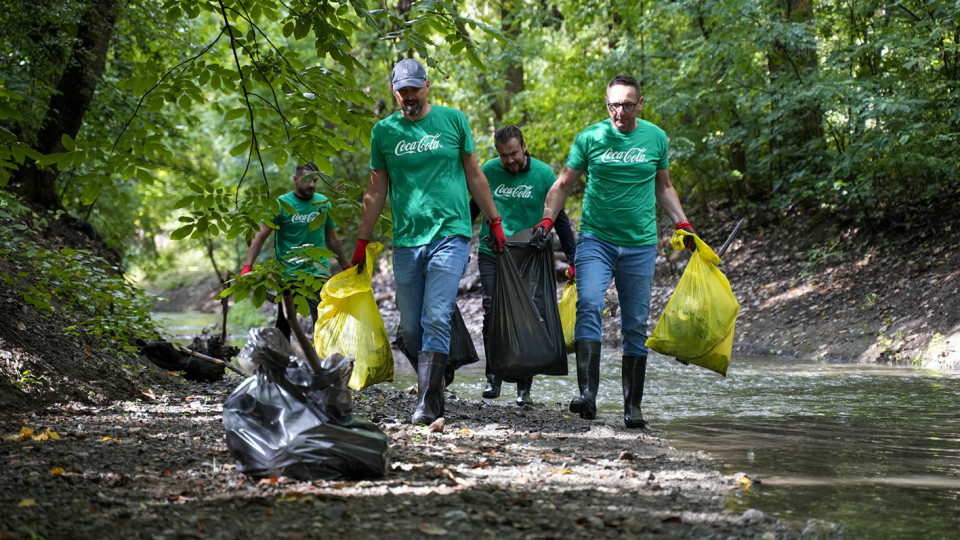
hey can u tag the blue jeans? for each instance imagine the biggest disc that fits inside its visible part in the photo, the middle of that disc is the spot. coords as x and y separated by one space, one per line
598 263
427 281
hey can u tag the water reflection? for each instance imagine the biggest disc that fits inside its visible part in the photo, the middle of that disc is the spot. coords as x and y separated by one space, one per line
874 448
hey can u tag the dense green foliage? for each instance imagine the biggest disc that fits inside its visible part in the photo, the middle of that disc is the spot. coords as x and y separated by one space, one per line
95 299
204 107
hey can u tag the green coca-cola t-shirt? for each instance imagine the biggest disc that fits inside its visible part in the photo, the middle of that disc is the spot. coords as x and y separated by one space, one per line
619 204
294 231
428 189
519 197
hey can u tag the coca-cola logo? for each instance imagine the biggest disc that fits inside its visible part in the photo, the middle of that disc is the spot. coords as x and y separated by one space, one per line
516 192
304 218
633 155
426 144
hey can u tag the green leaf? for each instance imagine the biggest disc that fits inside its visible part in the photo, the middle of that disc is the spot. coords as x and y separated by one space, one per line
233 114
90 192
240 148
182 232
259 295
472 57
67 142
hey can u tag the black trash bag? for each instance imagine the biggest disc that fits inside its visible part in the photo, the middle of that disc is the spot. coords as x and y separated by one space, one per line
525 334
287 420
462 349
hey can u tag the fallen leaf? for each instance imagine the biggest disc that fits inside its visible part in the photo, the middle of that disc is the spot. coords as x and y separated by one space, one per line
465 432
57 470
26 502
560 471
21 326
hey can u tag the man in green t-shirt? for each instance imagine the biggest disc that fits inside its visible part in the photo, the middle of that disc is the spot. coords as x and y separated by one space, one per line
423 158
626 162
295 230
519 184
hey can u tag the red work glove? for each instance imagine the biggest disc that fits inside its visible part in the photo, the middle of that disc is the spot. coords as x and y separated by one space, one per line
246 269
496 230
540 232
684 225
359 255
571 273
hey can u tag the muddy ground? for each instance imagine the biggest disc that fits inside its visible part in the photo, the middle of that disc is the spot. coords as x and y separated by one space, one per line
104 447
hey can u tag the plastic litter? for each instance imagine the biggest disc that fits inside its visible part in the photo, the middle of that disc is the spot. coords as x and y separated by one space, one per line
698 322
287 420
525 335
349 323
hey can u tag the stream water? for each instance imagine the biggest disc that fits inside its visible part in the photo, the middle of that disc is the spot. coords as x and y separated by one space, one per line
875 449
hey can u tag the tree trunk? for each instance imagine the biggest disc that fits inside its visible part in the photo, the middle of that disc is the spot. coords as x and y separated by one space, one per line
71 100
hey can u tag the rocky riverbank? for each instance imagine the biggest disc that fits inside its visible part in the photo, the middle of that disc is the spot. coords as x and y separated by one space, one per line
157 467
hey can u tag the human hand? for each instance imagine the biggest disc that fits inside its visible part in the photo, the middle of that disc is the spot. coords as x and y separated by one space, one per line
496 230
540 232
684 225
246 269
359 255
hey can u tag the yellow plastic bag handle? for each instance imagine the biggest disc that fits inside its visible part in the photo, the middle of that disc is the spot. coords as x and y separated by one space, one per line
705 251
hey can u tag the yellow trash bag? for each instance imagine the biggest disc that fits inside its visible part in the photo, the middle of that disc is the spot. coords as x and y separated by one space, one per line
349 322
697 324
568 313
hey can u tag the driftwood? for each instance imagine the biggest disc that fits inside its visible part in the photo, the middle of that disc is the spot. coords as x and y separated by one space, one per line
215 361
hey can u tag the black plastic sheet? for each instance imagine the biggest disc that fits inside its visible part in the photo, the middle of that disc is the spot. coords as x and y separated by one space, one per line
462 350
287 420
525 337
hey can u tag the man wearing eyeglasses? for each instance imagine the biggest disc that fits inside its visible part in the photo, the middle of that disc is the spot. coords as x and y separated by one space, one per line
626 165
423 157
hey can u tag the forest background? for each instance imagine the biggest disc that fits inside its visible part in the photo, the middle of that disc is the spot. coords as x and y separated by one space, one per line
155 136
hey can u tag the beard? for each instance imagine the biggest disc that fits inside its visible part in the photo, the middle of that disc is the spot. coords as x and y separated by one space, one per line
412 107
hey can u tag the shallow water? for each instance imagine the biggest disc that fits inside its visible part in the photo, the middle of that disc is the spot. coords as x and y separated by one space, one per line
875 449
181 328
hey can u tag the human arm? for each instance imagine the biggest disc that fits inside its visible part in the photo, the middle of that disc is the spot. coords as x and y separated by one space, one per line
373 202
480 191
557 196
336 246
670 201
255 246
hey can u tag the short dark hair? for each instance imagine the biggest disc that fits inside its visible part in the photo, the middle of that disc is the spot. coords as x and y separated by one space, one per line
306 168
505 133
625 80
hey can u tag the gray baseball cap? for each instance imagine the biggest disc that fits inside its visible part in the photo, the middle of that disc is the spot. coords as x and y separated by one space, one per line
409 73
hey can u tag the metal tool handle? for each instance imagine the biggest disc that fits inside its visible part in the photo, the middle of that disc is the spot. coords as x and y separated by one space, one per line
736 229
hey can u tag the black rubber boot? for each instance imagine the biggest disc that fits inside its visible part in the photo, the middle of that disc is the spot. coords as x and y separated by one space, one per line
633 371
523 392
588 379
492 390
429 387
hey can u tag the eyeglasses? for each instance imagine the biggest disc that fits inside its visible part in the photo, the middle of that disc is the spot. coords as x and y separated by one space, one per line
627 106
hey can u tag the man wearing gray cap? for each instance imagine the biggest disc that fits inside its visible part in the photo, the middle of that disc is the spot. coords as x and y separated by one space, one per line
423 157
